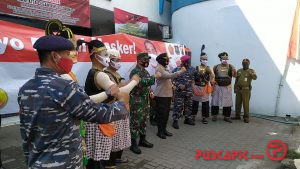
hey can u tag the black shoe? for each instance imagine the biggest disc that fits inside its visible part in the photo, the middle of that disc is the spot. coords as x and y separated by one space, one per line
236 118
160 132
227 119
144 143
189 122
120 160
204 121
175 124
246 120
161 135
134 147
168 133
214 118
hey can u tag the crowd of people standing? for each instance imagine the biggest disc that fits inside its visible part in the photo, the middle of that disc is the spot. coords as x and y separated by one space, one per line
66 126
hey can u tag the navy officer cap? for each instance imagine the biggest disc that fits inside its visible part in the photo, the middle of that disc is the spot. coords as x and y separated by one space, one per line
53 43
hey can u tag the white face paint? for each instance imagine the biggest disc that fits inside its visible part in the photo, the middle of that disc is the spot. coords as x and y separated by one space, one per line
116 65
104 60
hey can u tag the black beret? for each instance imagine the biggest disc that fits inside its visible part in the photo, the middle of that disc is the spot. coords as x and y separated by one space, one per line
53 43
143 56
162 56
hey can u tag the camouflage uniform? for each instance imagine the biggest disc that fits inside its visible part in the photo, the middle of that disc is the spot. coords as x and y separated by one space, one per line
183 98
50 111
139 102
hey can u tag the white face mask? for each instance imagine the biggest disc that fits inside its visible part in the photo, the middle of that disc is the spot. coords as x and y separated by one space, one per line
203 62
104 60
116 65
224 62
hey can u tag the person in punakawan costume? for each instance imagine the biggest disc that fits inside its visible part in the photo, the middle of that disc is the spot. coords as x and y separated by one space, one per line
3 102
164 93
222 93
204 77
139 103
122 138
183 93
56 26
51 107
99 137
242 89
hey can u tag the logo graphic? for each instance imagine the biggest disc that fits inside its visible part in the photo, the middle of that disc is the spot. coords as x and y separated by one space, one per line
276 146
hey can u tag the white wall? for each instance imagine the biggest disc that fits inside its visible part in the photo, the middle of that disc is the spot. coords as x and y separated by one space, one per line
148 8
259 30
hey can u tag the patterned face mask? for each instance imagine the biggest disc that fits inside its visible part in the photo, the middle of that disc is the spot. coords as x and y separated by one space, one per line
116 65
104 60
225 62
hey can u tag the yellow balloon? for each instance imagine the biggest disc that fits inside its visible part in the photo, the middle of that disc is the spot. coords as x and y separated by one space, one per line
3 98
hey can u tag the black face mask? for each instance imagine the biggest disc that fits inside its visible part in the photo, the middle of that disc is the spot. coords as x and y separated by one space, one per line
245 66
164 62
145 64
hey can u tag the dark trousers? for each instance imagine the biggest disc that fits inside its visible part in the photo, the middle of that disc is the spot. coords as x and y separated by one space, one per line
226 111
205 109
162 111
92 164
112 158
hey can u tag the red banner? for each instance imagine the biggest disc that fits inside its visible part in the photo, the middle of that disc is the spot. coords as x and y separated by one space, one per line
71 12
16 44
126 22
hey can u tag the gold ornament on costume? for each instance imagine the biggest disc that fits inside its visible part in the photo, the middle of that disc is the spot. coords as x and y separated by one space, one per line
3 98
53 27
98 50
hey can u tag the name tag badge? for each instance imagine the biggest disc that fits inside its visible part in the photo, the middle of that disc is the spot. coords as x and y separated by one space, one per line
245 79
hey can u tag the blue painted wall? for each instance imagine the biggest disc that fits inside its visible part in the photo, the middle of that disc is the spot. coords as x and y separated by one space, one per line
177 4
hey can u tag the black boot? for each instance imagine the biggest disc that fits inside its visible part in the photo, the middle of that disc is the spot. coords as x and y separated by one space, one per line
134 147
144 143
189 122
165 131
175 124
160 132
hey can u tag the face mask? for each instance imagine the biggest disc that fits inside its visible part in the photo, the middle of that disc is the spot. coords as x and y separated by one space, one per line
245 66
66 64
116 65
145 64
224 62
203 62
103 60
